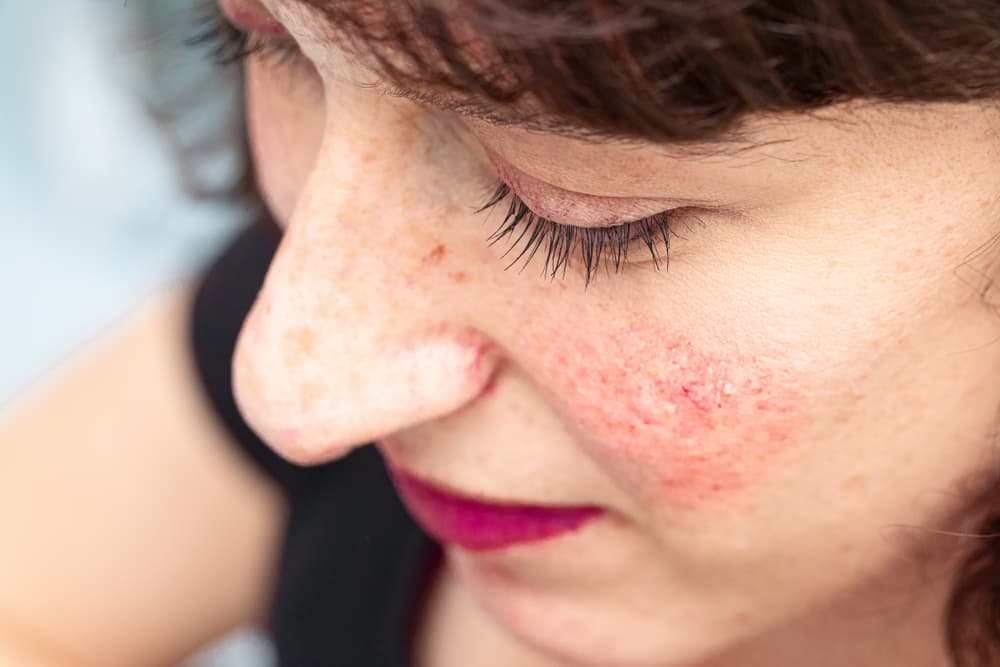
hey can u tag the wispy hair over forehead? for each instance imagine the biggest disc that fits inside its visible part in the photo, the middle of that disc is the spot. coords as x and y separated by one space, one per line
678 70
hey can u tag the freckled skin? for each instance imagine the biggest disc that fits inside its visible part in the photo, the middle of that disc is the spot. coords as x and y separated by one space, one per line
805 378
709 424
301 344
434 257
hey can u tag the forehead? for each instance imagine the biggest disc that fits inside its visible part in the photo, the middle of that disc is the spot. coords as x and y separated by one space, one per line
525 110
550 75
788 135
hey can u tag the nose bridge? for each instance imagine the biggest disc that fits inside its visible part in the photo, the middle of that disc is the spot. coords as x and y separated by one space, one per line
342 347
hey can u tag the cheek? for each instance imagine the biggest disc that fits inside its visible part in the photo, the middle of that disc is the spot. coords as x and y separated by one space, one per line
285 122
702 425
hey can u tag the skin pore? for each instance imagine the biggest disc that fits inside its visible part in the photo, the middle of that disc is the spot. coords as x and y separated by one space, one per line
771 423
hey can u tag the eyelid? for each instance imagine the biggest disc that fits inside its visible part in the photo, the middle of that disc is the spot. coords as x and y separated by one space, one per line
575 209
230 41
595 246
252 19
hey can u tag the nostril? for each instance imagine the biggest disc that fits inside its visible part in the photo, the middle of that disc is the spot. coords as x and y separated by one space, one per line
484 367
491 383
480 361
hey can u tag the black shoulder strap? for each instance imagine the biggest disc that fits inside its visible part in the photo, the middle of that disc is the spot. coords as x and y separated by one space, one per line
353 572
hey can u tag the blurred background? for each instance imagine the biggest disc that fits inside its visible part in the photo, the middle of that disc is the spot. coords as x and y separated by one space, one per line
121 160
120 148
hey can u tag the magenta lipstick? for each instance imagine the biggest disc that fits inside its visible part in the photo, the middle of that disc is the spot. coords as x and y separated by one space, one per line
480 526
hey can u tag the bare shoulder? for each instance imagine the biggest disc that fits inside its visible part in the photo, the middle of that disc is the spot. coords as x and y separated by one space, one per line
133 529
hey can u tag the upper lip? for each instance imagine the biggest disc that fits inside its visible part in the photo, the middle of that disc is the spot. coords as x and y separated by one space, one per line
396 466
477 524
474 498
448 490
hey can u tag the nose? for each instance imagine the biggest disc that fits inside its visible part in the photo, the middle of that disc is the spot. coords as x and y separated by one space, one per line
349 339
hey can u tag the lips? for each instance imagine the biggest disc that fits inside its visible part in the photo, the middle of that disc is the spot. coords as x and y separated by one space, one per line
480 526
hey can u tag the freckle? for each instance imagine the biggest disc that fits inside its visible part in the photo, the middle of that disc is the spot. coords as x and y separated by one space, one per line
309 392
367 157
459 277
434 257
301 343
856 484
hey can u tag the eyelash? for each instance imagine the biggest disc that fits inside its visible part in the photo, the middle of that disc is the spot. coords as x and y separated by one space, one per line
592 244
227 44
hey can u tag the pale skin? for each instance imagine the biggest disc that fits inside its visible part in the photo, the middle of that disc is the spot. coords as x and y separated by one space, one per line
827 288
772 424
134 530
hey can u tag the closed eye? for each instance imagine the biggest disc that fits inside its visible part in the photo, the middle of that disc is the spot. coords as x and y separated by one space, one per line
594 246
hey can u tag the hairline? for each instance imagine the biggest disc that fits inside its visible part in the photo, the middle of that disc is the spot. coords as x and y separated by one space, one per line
734 140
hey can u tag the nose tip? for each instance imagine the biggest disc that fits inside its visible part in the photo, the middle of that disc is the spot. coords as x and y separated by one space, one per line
354 390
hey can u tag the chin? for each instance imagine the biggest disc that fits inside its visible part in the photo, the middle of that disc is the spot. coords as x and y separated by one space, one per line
573 630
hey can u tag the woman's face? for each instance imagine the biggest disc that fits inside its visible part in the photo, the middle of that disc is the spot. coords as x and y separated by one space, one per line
815 372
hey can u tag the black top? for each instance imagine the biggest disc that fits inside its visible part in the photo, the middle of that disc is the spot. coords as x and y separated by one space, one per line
354 565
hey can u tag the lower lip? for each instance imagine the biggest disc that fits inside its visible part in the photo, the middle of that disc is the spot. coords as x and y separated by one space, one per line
479 526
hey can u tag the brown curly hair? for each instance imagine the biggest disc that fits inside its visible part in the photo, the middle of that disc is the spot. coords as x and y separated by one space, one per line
689 72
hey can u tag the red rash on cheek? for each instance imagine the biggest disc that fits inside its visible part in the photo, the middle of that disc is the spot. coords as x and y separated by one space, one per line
706 425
